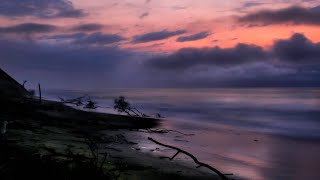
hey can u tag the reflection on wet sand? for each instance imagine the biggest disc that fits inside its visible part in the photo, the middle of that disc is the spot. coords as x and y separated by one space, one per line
248 155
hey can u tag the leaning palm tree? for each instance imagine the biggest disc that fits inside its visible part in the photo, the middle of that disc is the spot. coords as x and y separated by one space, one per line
121 105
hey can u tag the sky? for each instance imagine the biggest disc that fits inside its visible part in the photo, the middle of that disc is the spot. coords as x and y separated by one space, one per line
96 44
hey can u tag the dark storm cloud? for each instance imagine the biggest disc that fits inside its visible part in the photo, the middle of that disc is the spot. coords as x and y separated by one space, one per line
64 37
97 38
100 38
57 56
297 50
28 28
193 37
62 65
291 15
88 27
189 57
40 9
155 36
289 62
85 66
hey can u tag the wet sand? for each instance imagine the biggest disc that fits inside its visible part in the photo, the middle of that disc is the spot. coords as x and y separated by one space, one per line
246 154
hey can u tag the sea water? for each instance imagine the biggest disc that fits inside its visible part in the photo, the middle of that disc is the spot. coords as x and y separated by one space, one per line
285 111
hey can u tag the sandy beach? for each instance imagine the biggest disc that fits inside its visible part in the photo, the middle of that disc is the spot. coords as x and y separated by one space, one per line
55 130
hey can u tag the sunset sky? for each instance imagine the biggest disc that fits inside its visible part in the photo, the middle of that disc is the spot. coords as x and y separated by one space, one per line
161 43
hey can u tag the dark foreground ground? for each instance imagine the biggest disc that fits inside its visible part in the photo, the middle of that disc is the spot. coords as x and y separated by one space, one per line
54 141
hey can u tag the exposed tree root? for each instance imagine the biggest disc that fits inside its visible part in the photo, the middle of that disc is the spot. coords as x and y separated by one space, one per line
200 164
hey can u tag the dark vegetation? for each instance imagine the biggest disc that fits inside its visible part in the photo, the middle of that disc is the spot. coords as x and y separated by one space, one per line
16 163
26 162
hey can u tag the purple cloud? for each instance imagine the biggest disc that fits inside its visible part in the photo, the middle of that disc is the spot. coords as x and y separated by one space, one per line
290 15
87 27
28 28
156 36
40 8
97 38
193 37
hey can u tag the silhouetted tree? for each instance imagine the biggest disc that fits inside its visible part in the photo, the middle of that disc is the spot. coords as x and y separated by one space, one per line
121 105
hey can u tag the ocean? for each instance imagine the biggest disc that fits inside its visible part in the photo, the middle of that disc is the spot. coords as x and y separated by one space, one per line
254 133
285 111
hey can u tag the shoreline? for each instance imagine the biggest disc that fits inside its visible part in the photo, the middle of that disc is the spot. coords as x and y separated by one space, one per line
54 130
249 154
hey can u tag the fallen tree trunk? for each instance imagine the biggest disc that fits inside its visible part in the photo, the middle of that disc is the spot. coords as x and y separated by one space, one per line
169 130
200 164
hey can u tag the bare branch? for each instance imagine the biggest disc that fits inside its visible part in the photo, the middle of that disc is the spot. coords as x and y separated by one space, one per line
192 157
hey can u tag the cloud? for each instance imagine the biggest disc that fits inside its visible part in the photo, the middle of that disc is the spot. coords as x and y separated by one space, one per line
155 36
250 4
64 37
289 62
28 28
297 50
97 38
91 67
40 8
100 38
189 57
62 65
144 15
87 27
193 37
292 15
245 6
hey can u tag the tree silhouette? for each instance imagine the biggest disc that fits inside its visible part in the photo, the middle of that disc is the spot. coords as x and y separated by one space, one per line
121 105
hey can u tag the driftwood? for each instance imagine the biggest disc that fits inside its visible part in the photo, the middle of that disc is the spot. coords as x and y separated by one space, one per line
79 102
40 96
75 101
200 164
168 130
163 131
121 105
